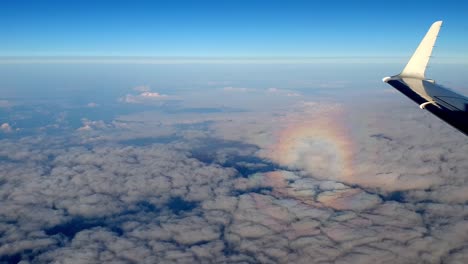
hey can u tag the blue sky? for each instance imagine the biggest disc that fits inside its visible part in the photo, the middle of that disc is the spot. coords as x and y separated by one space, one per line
228 28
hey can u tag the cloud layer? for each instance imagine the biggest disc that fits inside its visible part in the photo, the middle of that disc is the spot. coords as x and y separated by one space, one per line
316 182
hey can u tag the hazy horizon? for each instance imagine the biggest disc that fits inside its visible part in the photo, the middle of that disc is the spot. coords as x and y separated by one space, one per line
227 132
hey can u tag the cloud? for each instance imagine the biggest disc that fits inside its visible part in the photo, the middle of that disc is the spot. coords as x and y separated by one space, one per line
291 185
152 95
282 92
238 89
159 203
6 128
89 125
359 144
146 96
92 105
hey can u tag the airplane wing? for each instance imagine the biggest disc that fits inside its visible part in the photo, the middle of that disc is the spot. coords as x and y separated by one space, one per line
446 104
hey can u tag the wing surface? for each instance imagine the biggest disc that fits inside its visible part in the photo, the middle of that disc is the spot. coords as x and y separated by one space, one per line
446 104
442 102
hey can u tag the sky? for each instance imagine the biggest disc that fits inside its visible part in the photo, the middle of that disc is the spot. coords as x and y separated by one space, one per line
256 132
228 28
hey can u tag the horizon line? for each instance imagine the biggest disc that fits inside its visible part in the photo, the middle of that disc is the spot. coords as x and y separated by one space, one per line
58 59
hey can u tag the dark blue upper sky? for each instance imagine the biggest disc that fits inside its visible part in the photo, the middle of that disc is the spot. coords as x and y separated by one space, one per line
228 28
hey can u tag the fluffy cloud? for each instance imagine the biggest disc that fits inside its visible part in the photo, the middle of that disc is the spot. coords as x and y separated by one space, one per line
85 187
89 125
146 96
159 204
6 128
295 185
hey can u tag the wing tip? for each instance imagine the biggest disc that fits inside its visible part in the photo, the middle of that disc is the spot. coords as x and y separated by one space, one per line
418 62
437 24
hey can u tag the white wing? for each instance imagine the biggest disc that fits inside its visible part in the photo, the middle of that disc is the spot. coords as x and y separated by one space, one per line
442 102
416 66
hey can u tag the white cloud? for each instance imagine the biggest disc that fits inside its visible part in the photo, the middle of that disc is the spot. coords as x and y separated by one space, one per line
299 199
6 128
125 194
145 97
92 105
152 94
85 127
89 125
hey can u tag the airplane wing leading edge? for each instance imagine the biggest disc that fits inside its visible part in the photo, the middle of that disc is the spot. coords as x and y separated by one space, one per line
449 106
416 66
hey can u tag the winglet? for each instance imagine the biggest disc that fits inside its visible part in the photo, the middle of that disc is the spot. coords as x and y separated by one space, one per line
416 66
